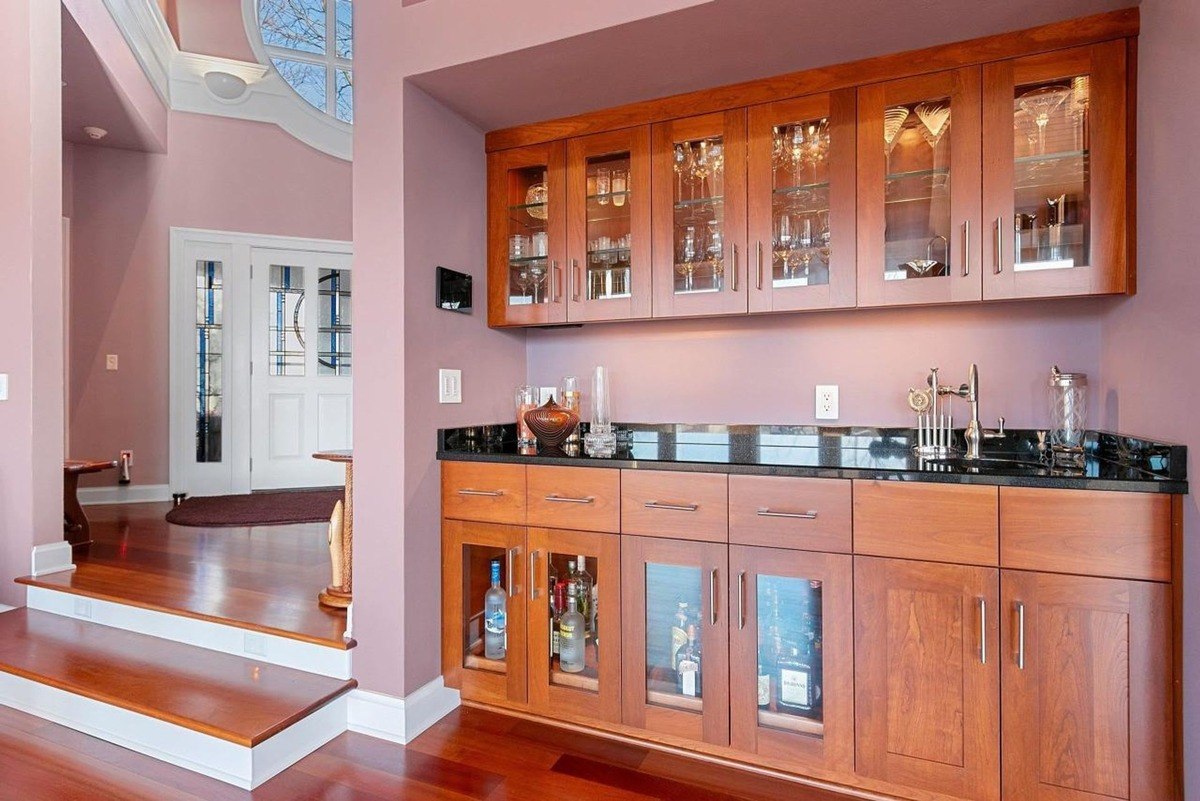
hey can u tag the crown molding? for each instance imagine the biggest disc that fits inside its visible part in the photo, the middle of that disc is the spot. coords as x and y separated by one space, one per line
145 30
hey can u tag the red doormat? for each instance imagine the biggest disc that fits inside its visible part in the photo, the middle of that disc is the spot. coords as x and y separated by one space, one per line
256 509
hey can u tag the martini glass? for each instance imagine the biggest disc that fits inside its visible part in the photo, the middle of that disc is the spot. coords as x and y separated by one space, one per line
1039 104
893 121
935 121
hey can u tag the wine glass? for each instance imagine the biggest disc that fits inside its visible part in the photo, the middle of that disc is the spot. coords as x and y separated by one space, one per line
783 241
1080 95
1039 104
893 121
688 252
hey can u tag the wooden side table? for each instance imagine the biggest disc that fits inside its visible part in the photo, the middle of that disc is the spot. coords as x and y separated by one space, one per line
339 595
76 529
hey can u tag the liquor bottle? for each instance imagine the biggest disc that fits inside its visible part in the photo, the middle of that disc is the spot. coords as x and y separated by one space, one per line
558 593
772 649
551 582
688 672
679 633
495 617
765 663
798 689
584 592
571 636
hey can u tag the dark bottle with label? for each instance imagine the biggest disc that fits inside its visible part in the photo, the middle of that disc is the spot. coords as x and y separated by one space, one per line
796 680
687 670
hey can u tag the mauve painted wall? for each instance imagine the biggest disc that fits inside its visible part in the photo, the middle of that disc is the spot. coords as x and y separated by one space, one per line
1150 358
212 27
31 272
763 369
219 173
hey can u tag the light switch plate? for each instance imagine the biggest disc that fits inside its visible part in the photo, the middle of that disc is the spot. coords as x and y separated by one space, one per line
3 386
449 386
110 361
827 402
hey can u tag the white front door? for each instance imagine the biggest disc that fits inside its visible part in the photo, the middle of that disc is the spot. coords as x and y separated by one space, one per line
300 367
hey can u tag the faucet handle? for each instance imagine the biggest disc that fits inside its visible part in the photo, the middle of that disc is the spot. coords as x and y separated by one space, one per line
1001 431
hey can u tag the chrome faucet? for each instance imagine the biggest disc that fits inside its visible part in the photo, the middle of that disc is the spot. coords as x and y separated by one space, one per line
974 434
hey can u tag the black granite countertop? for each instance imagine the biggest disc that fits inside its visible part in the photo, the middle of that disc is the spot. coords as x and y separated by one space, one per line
1110 461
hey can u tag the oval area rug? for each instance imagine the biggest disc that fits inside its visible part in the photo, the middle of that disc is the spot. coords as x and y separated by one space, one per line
256 509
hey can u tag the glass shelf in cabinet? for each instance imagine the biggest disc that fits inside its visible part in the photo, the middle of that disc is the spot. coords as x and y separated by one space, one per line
604 196
699 201
1034 158
900 176
527 206
525 260
608 252
794 723
798 188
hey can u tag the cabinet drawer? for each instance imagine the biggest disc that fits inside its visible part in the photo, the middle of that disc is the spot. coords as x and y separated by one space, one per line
580 498
808 514
935 522
1117 534
492 493
682 506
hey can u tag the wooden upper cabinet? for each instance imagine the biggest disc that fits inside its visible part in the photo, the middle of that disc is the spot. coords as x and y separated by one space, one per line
699 215
1087 689
527 235
608 226
919 189
927 676
801 203
1055 173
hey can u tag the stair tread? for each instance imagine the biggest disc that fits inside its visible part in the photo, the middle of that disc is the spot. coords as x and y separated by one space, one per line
224 696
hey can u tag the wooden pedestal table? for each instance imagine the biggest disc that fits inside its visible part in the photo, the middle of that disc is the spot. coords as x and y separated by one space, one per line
341 537
75 523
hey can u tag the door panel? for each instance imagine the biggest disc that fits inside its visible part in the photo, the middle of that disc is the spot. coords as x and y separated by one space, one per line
927 682
300 367
1087 686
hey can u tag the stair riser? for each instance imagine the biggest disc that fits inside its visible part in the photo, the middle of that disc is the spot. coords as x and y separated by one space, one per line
228 762
269 648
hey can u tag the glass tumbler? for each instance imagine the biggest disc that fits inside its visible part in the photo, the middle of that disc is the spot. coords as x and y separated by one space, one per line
526 399
1067 393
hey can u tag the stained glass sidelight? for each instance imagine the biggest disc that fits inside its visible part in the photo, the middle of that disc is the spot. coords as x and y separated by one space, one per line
209 363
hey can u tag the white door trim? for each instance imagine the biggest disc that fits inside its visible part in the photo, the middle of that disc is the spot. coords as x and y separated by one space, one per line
232 249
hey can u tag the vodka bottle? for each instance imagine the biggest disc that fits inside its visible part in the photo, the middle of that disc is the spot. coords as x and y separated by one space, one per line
495 617
571 638
688 670
555 609
583 592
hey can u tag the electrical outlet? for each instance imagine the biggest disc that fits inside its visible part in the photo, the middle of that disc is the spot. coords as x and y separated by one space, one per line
127 456
110 362
449 386
827 402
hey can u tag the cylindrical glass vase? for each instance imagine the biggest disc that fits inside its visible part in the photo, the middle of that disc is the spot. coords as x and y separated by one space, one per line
1067 394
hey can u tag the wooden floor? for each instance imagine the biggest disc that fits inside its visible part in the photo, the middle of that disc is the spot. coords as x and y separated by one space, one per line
471 754
216 694
265 578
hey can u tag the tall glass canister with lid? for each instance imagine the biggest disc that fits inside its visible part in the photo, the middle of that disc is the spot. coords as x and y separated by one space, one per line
1067 393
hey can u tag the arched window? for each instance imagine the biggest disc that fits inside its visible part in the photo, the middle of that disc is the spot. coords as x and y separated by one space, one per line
311 45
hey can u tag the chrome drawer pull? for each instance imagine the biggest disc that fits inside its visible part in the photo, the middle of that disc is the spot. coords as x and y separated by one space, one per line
712 595
983 631
766 512
565 499
673 507
482 493
1020 635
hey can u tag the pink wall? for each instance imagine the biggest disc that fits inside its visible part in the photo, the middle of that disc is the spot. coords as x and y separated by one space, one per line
219 173
31 272
763 369
1150 343
212 27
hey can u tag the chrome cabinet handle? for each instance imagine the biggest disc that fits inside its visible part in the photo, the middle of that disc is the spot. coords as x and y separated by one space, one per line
765 512
735 269
557 281
983 631
999 261
758 268
673 507
533 583
575 280
1020 635
966 254
567 499
712 586
511 553
741 600
481 493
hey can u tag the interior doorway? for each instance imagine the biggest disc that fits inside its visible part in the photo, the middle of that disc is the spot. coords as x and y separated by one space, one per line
261 361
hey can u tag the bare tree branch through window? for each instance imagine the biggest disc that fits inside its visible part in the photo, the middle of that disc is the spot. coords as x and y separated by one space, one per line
311 45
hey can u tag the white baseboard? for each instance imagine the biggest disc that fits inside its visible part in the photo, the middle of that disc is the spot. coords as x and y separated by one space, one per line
399 720
53 557
228 762
125 493
261 647
6 608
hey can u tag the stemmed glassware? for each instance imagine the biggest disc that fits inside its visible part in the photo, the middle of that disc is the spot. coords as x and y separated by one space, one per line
1039 104
1080 95
935 121
893 121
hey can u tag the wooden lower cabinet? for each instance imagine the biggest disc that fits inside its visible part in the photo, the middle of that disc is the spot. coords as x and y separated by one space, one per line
793 713
927 677
671 588
1087 688
594 692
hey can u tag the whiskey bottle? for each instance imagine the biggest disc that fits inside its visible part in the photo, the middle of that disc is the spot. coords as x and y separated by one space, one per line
679 633
798 691
571 638
495 617
688 671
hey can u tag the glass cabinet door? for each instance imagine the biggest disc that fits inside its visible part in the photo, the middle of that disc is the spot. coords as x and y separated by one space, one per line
676 668
919 189
574 624
801 203
791 663
526 235
1058 224
700 215
483 623
608 209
